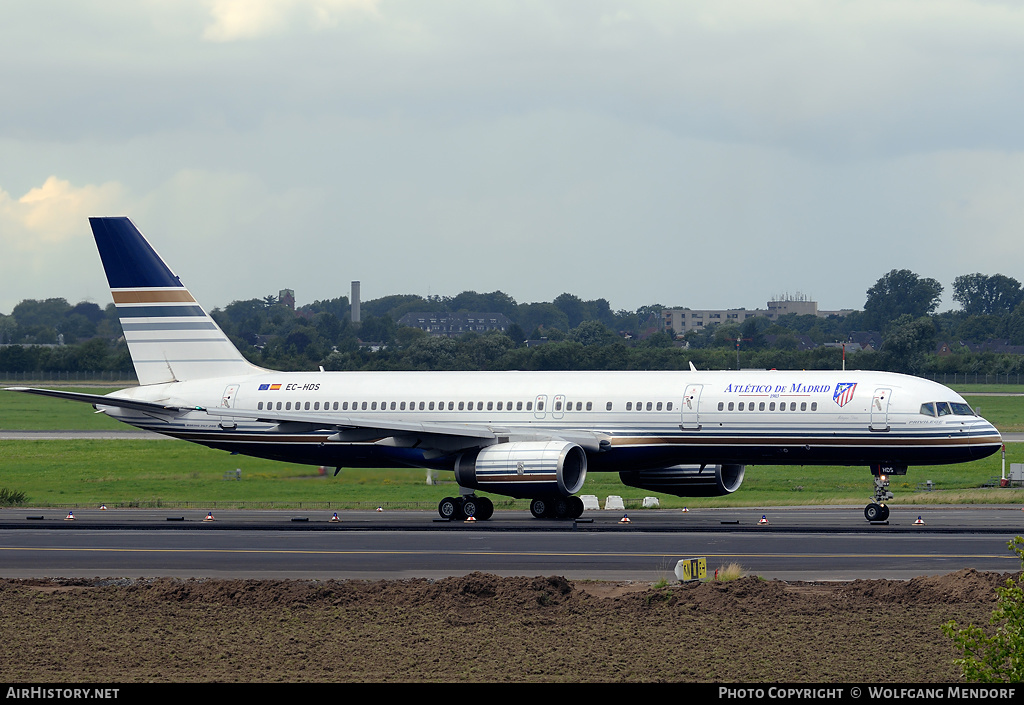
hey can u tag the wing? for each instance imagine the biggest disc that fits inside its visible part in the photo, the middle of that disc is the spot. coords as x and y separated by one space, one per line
443 437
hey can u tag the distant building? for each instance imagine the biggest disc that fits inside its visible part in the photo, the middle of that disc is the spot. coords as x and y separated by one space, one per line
683 320
455 324
287 297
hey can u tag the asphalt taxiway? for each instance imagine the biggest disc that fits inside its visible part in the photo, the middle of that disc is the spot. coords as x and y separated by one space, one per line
795 543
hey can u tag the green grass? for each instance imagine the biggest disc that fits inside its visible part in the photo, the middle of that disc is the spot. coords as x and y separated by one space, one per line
90 472
1005 413
30 412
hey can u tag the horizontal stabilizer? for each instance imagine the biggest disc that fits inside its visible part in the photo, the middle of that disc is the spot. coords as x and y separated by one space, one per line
99 399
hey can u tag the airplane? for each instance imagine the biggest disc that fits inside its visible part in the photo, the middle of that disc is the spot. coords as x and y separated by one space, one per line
528 435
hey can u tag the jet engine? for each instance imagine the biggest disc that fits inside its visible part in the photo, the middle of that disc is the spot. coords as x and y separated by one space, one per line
524 469
687 480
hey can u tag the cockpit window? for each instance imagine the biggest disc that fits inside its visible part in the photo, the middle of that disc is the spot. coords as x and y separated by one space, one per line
945 408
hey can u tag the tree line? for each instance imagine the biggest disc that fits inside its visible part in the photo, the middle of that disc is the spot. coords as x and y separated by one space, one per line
901 306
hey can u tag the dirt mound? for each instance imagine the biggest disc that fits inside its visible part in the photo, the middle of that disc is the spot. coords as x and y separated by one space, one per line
967 585
518 629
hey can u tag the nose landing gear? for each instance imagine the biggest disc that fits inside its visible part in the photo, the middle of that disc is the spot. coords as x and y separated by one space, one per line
878 510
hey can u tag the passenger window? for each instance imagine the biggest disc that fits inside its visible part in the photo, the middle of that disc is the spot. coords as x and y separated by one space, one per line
540 406
608 406
490 405
771 407
803 406
529 406
649 406
499 406
792 406
462 405
260 406
316 406
402 406
629 406
364 406
590 406
558 406
373 406
451 406
278 406
288 406
760 407
721 406
393 405
431 406
519 406
730 406
335 406
814 406
740 407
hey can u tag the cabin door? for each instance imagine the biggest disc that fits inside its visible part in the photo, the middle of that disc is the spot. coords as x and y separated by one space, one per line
880 410
691 407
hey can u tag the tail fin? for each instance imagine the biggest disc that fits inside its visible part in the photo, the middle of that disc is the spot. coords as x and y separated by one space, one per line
170 337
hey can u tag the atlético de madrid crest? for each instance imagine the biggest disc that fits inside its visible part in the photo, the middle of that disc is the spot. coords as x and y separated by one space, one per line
844 392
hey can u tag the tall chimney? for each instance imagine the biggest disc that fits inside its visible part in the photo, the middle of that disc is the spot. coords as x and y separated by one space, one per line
355 302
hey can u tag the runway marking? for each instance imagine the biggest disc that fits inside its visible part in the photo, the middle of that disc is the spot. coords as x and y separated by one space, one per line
533 554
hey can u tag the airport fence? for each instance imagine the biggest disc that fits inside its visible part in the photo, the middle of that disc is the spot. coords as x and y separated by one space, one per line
952 378
74 377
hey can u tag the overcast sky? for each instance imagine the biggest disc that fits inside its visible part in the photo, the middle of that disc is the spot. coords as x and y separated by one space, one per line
702 154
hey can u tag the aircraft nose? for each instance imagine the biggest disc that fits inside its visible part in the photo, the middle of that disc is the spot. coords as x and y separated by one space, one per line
986 439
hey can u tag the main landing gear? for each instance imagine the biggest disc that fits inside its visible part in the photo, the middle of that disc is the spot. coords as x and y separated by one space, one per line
878 510
466 506
557 507
481 508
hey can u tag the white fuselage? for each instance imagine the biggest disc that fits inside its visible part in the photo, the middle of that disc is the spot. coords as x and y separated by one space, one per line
649 419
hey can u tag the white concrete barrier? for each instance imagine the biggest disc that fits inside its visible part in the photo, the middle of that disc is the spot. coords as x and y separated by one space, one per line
651 503
614 501
590 501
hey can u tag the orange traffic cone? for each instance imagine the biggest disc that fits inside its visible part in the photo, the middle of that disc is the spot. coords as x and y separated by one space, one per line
470 520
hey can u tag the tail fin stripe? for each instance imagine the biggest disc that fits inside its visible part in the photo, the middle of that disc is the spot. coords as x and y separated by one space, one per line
152 297
158 311
198 325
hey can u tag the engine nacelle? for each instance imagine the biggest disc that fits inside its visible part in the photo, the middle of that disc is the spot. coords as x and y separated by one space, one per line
524 469
687 480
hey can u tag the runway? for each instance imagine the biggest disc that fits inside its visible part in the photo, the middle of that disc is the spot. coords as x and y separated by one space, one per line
797 543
